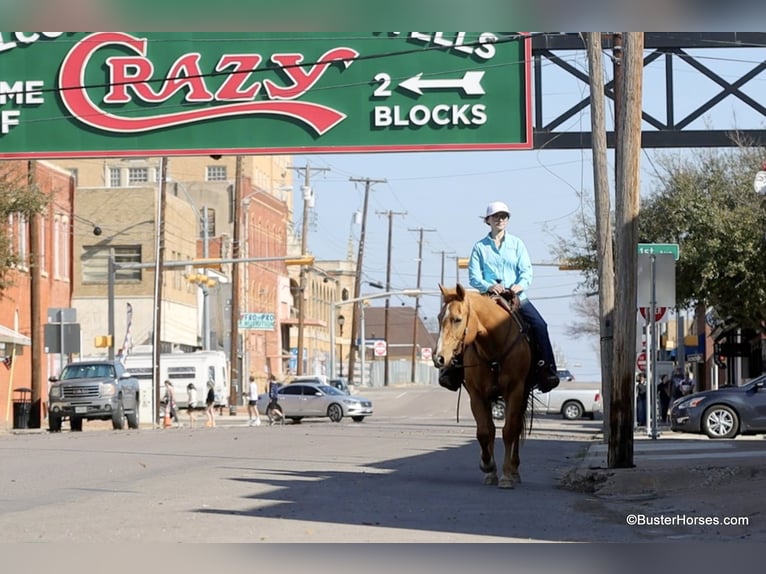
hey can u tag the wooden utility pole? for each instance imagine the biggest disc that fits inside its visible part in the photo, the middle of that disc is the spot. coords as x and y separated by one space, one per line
390 215
157 333
603 220
235 296
358 279
420 231
444 255
621 416
35 285
307 204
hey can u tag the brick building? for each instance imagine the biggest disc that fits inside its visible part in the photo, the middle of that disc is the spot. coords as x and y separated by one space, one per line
54 248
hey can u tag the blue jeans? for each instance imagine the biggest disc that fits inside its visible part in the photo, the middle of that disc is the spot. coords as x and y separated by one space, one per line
539 329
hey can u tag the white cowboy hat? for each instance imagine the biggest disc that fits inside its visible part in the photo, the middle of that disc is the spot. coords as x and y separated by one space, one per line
497 207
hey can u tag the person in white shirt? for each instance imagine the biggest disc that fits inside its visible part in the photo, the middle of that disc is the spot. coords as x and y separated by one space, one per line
252 405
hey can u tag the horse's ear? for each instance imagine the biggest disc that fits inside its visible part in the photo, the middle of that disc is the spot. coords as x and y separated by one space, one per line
460 292
443 290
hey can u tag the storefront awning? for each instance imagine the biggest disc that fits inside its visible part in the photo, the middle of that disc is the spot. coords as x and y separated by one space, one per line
10 336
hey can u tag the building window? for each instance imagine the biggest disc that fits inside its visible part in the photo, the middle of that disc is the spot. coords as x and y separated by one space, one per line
216 173
138 175
95 263
115 177
64 245
210 223
43 245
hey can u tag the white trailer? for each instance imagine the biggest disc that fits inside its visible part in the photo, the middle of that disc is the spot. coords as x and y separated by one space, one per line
181 369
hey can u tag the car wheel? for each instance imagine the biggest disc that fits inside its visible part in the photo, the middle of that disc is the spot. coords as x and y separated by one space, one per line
132 417
335 412
296 419
720 421
498 410
118 417
75 424
572 410
357 419
54 423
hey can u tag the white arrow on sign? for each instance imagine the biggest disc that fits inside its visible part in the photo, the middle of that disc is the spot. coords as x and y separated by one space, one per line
470 83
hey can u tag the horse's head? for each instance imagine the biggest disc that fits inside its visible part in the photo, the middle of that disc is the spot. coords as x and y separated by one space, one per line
453 325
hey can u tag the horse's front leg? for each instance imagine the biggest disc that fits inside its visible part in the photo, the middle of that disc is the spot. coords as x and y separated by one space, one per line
514 426
485 434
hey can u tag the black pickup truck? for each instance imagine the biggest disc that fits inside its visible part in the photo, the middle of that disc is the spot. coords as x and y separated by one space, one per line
93 390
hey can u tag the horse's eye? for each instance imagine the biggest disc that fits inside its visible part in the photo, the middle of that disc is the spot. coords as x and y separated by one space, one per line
457 319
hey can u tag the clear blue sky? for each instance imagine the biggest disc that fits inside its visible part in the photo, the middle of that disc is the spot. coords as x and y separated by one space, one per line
448 192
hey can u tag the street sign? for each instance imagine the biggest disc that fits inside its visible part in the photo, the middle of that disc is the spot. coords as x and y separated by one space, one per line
426 353
659 312
656 280
257 321
657 248
379 348
118 94
641 362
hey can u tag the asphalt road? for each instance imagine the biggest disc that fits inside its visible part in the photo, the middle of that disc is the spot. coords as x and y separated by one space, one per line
408 474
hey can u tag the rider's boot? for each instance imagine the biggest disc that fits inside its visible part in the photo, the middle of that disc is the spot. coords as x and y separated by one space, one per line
547 378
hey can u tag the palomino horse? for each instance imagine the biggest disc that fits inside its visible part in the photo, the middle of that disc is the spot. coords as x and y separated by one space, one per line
497 360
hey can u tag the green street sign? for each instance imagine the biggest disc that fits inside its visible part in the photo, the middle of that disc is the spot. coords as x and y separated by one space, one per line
657 248
118 94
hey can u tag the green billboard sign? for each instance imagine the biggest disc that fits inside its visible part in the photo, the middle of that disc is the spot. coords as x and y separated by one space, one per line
125 93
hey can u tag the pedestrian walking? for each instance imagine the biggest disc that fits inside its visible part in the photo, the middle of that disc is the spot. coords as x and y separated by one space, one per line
171 413
191 402
210 404
663 390
273 411
254 418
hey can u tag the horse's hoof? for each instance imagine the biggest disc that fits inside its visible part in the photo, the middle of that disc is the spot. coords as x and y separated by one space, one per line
490 480
506 483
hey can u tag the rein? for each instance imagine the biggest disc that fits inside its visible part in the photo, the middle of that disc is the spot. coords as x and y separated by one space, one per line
494 363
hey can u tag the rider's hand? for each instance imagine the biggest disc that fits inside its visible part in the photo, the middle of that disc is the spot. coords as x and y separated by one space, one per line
496 289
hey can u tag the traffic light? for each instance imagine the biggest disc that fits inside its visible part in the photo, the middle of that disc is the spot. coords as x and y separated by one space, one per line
306 260
103 341
720 360
462 262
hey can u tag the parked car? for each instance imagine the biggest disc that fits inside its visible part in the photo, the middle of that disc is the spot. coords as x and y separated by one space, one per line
564 375
341 384
722 413
305 397
93 390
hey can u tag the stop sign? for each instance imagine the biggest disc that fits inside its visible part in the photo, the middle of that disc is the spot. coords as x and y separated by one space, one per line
659 312
426 353
641 362
379 348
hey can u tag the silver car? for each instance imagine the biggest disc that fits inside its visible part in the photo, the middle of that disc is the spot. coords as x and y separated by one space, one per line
302 399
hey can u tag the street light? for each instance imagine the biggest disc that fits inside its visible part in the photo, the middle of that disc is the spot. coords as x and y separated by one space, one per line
341 322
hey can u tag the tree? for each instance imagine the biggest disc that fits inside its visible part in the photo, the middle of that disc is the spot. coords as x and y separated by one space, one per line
17 197
705 203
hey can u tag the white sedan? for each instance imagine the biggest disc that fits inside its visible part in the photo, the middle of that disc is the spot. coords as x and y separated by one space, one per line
308 399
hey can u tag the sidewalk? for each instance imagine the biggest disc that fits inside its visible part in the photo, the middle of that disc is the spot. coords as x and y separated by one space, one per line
670 462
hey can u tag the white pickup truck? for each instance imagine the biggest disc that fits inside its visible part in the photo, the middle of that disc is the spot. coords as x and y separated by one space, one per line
570 399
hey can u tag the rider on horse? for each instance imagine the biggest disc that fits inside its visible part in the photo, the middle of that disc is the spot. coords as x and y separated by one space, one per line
499 262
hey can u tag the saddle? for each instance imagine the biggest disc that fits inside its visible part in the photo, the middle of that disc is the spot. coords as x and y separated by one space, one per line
508 301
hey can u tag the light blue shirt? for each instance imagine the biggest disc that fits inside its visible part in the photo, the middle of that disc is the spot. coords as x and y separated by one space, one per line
510 263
